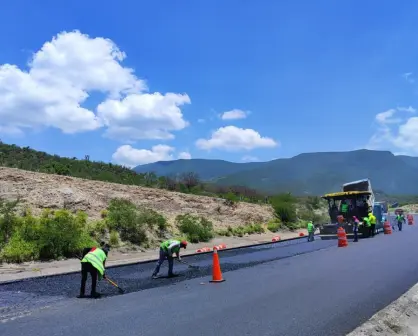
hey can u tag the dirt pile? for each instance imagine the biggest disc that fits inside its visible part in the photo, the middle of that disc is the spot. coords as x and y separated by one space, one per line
41 191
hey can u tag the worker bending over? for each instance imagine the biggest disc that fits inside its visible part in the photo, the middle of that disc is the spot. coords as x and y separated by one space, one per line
372 224
311 231
93 262
167 249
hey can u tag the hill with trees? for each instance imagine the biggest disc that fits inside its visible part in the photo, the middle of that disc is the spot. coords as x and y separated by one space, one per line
309 173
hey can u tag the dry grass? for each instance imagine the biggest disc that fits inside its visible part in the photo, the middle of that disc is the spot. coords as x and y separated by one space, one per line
42 191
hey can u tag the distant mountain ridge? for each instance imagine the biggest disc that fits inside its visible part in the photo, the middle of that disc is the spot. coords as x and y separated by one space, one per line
304 174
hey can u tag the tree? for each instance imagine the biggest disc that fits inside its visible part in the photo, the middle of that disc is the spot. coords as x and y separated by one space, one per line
171 182
190 180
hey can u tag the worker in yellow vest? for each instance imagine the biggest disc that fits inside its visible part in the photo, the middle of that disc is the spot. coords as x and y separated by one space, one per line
167 250
372 224
94 263
311 231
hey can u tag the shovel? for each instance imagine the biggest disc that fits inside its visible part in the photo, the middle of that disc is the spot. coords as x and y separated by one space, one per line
121 290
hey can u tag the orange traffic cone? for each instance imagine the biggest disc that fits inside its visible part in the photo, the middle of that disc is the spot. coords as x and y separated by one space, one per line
216 268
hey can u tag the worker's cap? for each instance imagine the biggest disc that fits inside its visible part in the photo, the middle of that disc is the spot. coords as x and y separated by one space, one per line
183 244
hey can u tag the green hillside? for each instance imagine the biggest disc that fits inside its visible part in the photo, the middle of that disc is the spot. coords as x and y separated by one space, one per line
206 169
29 159
314 173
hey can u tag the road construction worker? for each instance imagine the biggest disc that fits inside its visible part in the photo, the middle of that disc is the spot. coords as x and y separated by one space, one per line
93 262
167 249
372 224
344 208
311 231
356 223
400 218
366 221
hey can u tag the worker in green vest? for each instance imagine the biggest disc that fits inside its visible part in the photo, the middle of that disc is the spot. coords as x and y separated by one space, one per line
311 231
94 263
167 249
400 218
372 219
344 208
366 221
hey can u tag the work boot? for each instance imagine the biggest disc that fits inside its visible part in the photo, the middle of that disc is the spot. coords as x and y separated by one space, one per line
172 275
95 295
155 276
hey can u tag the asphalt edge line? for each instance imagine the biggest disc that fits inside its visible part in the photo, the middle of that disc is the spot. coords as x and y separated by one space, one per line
143 262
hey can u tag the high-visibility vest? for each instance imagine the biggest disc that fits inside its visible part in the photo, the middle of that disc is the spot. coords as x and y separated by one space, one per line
372 219
367 221
175 249
96 258
310 227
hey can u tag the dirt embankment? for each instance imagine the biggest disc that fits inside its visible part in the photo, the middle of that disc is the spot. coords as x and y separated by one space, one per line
42 191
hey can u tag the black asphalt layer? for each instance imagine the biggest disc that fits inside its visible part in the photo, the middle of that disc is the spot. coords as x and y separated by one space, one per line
24 297
327 292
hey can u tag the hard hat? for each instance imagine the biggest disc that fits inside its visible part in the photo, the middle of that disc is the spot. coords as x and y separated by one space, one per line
184 243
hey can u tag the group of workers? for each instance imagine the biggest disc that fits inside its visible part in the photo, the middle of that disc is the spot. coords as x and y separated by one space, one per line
369 221
94 259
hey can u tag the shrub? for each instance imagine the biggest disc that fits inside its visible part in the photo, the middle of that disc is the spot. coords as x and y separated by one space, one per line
153 220
197 229
273 225
52 235
97 229
114 239
286 212
307 215
284 207
18 250
62 234
314 202
123 218
8 220
132 223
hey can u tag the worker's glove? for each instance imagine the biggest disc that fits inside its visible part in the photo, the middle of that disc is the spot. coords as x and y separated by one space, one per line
104 276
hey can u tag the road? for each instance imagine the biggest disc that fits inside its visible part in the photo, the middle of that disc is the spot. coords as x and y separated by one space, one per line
329 291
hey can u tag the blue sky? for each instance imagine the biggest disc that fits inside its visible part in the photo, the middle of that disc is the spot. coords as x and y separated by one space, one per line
314 76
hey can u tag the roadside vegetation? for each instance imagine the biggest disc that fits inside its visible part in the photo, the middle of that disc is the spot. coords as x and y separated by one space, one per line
57 234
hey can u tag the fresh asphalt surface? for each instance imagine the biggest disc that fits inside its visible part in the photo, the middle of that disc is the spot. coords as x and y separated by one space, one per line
327 292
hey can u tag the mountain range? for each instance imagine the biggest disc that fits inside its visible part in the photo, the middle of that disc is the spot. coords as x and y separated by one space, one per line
304 174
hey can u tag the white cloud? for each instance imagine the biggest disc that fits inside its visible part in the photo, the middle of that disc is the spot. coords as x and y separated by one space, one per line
396 131
144 116
409 109
249 158
184 156
234 138
128 156
65 72
234 114
408 78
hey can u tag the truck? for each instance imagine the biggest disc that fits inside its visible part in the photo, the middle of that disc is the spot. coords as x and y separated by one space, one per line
355 199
